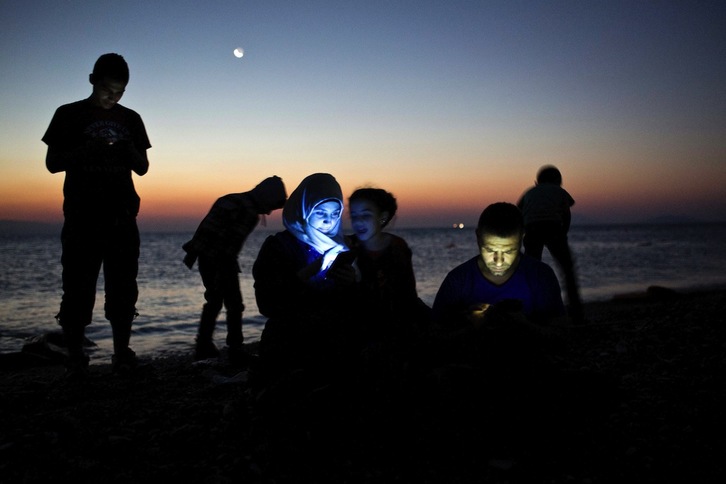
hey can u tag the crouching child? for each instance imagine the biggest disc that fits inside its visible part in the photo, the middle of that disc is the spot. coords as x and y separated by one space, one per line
215 247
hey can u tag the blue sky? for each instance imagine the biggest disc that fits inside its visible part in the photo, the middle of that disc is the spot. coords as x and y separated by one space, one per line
450 105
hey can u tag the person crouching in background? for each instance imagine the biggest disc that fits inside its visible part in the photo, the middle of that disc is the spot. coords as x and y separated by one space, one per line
216 245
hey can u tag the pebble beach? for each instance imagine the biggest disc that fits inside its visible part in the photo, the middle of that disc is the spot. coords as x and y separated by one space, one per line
181 421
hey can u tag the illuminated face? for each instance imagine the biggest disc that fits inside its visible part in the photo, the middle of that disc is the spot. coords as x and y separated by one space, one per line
499 256
365 219
107 93
325 217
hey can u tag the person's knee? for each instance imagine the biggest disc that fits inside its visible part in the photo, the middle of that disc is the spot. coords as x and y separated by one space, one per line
234 304
213 302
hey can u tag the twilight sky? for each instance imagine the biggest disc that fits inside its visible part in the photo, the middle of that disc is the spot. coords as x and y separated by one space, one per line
449 105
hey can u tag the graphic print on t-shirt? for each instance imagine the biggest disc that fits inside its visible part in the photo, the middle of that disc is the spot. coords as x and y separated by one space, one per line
109 131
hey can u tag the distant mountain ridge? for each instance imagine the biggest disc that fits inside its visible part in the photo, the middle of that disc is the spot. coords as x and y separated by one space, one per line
659 220
673 219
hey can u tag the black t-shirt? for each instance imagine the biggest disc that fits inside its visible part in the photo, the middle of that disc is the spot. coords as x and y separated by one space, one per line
102 185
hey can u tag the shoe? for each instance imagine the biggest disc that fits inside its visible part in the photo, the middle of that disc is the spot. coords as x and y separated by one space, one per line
205 350
125 362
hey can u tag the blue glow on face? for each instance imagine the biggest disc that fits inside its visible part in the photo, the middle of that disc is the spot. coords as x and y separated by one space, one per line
325 216
365 219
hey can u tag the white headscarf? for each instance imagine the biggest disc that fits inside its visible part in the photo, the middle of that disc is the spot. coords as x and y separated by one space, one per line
312 191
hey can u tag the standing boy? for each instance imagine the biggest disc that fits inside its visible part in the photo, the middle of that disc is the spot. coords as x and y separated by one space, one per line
98 143
217 244
546 211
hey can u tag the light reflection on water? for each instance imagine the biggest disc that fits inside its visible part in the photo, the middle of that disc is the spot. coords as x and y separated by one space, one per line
610 260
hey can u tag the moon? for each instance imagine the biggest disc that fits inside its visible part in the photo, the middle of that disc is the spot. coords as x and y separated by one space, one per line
239 52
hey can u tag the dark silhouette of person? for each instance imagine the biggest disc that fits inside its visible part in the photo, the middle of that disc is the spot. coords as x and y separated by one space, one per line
308 296
384 259
98 143
216 244
546 211
492 316
397 318
499 274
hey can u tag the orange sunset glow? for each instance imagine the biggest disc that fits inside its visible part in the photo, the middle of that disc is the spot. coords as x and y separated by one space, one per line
636 122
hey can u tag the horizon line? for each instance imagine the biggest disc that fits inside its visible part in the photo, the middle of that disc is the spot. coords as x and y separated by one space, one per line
35 227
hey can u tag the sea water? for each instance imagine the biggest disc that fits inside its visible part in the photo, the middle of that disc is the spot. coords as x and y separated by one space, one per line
610 260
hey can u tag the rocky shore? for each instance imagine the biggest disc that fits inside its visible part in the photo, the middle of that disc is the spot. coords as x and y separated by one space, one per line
656 362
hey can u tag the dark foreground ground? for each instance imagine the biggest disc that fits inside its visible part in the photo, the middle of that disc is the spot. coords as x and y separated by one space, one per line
662 418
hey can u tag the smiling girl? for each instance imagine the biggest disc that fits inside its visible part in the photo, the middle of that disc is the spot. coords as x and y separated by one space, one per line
388 283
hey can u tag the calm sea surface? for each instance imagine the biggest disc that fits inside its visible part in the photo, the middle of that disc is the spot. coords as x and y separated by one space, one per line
610 260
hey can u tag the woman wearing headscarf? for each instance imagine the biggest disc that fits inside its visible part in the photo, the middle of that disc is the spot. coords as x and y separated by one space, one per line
308 296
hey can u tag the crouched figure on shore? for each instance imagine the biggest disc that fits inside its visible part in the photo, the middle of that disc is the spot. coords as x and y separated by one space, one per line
499 274
498 318
489 311
216 245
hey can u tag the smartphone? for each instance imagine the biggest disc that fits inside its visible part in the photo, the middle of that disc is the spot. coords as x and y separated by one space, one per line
343 258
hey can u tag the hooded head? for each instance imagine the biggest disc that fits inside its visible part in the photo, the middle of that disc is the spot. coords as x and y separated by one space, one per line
314 191
269 195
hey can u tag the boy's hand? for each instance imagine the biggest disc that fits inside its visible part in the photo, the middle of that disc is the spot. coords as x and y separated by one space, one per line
133 158
95 147
475 314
